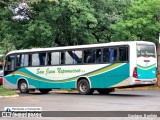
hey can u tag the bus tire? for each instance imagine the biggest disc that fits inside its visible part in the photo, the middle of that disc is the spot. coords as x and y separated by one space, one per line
105 91
84 88
23 86
44 91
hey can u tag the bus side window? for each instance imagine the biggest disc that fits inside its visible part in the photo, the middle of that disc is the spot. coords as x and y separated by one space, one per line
35 59
98 55
25 60
89 56
42 58
77 56
123 54
53 58
73 57
109 55
18 60
112 55
69 57
106 55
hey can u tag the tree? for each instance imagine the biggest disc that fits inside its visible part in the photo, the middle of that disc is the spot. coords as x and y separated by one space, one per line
6 38
54 23
139 22
72 21
108 12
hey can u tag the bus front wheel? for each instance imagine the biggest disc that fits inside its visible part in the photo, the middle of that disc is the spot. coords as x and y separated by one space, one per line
23 86
84 88
44 91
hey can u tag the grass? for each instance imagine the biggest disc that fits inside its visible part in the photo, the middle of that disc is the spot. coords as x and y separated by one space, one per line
6 92
153 87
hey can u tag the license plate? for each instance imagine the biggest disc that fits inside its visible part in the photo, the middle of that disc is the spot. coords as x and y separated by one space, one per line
147 82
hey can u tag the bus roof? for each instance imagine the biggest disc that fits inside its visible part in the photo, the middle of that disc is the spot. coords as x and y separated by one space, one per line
81 46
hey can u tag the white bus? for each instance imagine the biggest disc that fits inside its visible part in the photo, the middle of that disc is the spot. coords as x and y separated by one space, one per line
101 67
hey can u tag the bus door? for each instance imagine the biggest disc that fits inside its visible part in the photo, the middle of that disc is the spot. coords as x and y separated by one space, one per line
9 66
146 62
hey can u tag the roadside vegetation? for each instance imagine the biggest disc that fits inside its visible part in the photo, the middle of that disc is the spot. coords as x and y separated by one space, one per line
49 23
6 92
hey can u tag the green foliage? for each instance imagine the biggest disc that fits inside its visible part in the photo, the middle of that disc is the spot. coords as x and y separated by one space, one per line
6 92
139 22
108 12
73 22
6 38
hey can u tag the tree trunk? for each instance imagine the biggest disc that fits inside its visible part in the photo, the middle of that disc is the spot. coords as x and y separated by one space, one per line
158 63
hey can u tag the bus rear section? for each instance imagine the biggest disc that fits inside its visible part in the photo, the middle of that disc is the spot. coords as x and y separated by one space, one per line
146 63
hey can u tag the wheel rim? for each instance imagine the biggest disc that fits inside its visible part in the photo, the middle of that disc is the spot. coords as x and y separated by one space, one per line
83 87
23 86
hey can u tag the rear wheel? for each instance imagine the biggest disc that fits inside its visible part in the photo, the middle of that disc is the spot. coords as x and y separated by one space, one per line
84 88
44 91
23 86
105 91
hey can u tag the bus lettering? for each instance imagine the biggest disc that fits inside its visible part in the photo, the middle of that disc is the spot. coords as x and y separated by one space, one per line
62 71
48 71
40 71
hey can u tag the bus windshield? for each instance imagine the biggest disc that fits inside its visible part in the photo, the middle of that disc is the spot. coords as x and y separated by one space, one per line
146 51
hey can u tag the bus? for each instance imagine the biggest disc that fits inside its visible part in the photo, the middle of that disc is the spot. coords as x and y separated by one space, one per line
102 67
